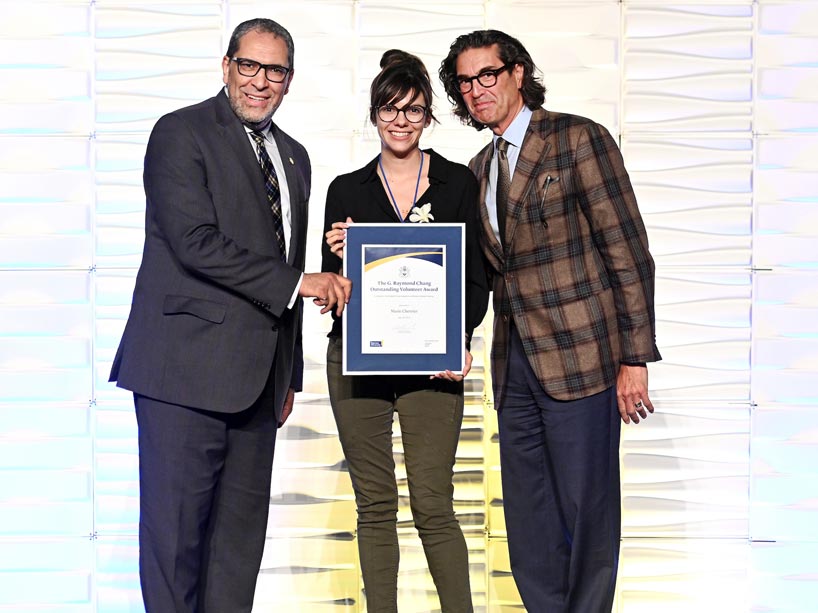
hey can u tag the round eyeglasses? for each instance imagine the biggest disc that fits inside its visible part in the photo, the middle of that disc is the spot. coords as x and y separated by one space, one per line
487 78
414 113
250 68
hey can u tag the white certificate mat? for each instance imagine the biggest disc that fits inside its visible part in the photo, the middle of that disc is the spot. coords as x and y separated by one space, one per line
403 294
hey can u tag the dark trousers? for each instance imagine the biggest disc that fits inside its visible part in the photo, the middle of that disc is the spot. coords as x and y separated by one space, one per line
204 497
430 414
560 475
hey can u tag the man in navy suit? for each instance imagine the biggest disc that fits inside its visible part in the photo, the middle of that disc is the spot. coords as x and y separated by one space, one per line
212 346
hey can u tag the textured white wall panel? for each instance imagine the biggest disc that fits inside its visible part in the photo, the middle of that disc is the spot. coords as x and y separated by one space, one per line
785 433
786 193
576 46
48 358
783 577
320 101
46 196
116 469
685 472
311 492
45 18
785 454
726 183
120 200
57 65
787 72
784 350
312 572
387 25
154 59
113 290
502 594
703 327
54 576
679 576
695 194
688 67
46 477
116 577
58 509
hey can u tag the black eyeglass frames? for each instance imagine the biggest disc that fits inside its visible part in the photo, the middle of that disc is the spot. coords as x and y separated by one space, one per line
414 113
487 78
250 68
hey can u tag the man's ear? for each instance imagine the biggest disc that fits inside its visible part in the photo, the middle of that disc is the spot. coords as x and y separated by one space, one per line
225 68
288 80
519 73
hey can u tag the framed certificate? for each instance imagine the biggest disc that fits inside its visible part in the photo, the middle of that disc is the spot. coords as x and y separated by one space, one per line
407 310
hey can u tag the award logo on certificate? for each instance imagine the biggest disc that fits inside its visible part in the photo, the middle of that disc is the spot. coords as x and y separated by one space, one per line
406 312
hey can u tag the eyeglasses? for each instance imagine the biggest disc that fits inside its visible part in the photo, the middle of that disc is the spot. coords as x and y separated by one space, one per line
414 113
250 68
487 78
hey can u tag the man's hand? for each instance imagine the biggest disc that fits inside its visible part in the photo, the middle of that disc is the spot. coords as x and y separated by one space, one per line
327 290
288 406
632 393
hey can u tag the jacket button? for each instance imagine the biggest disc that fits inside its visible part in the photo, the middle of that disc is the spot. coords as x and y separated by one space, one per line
505 319
274 328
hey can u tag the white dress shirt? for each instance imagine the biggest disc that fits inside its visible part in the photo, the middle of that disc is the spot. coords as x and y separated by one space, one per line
514 135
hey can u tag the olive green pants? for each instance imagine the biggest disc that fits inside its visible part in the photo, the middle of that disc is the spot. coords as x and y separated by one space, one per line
430 414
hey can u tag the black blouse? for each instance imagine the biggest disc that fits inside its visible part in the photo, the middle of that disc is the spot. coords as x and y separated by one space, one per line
453 193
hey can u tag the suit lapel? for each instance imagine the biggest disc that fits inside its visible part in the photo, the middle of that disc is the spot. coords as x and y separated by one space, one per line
530 163
494 250
235 136
298 212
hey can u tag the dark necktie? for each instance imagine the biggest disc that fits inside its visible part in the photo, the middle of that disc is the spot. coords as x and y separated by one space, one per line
273 190
503 184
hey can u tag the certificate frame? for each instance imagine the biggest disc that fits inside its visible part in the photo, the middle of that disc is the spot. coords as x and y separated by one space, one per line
421 246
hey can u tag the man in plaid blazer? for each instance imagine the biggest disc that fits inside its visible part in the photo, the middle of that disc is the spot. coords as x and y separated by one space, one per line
574 325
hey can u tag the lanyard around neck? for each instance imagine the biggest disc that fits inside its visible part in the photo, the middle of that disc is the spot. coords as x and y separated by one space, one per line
389 189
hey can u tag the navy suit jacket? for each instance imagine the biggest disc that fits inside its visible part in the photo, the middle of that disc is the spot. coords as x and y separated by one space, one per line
209 320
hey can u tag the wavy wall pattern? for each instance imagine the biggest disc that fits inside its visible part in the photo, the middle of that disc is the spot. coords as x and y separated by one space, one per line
715 108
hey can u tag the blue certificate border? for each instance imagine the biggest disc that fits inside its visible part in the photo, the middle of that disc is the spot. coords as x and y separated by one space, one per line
364 234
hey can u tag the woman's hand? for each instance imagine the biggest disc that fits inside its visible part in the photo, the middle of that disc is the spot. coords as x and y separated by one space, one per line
337 237
451 376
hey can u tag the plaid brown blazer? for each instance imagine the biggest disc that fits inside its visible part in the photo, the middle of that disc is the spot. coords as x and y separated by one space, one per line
576 278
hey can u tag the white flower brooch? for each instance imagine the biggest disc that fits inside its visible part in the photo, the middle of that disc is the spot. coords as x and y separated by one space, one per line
422 214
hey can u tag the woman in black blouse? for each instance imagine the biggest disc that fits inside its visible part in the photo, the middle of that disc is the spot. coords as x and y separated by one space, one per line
404 184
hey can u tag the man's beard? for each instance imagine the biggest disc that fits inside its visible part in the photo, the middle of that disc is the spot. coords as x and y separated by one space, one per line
249 121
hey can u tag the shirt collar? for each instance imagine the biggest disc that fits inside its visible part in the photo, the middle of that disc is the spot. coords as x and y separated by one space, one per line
515 132
267 132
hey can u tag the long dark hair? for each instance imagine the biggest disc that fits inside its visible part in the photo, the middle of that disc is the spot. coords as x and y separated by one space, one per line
510 50
401 74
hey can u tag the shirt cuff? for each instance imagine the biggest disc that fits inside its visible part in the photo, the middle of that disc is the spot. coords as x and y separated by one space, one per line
294 297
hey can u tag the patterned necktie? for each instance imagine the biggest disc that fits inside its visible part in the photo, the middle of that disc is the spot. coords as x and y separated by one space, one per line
503 184
273 190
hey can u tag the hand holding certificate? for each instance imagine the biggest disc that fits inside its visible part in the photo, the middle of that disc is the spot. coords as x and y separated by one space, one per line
407 312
